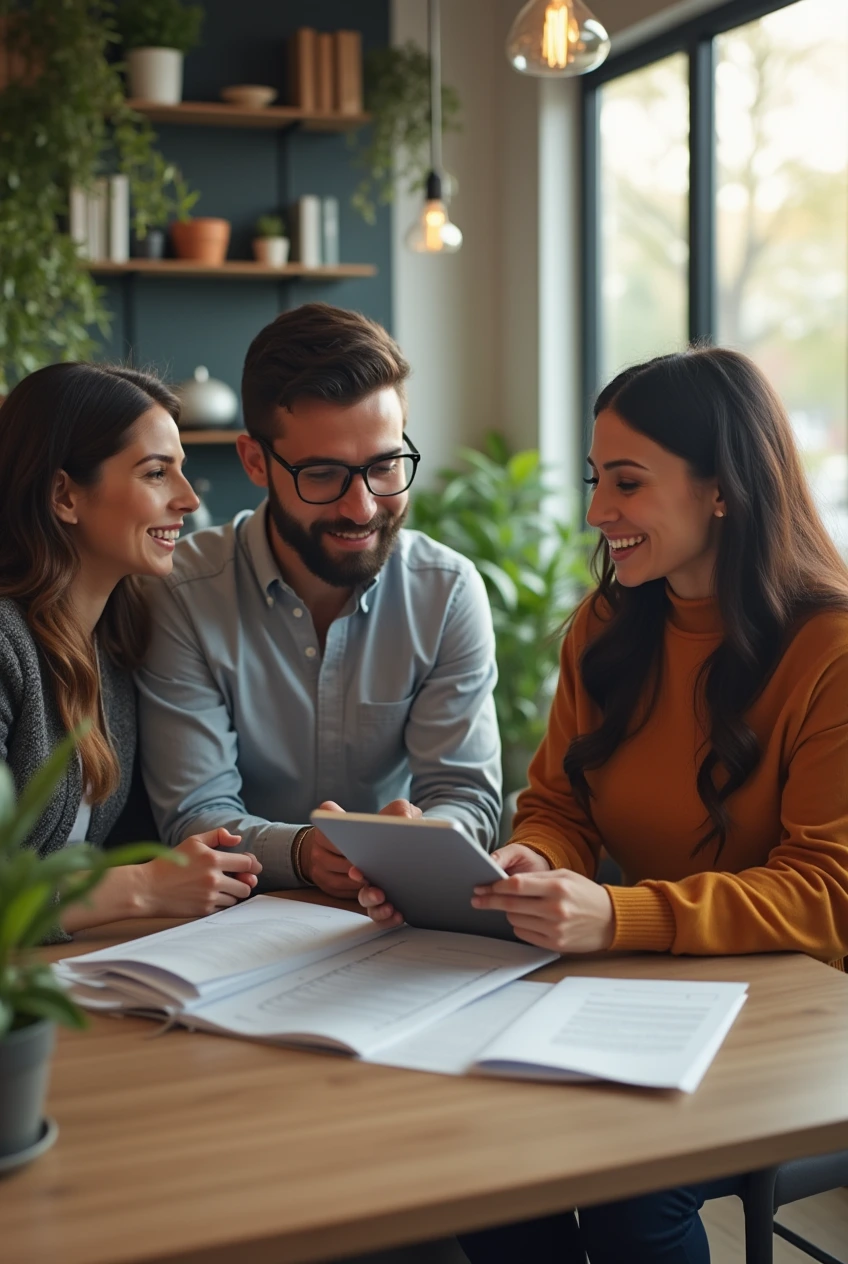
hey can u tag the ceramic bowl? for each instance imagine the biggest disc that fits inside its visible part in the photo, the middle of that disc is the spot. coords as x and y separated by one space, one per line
252 96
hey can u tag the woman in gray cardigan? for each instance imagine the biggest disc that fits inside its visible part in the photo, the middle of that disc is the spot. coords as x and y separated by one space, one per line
92 495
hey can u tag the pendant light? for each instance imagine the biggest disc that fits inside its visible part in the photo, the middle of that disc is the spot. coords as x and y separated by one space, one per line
556 38
433 232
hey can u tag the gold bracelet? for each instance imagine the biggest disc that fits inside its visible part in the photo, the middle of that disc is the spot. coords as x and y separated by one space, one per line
297 848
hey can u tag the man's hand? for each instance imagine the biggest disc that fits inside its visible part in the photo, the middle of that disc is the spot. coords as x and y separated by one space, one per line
324 864
372 899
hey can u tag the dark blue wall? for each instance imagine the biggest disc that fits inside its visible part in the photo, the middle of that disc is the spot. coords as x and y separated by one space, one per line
172 325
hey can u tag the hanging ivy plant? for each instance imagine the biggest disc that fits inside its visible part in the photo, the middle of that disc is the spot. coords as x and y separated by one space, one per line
63 120
397 145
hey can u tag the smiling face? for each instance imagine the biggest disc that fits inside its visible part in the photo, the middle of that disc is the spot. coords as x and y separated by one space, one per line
346 542
128 520
659 520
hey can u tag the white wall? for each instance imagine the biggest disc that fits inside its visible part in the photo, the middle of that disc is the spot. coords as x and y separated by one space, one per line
493 332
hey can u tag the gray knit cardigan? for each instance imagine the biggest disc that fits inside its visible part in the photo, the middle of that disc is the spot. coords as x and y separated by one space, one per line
30 729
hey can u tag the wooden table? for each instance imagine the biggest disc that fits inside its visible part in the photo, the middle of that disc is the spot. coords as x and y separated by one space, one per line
190 1147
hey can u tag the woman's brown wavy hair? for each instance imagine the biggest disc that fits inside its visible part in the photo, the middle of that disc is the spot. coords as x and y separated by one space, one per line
776 567
70 417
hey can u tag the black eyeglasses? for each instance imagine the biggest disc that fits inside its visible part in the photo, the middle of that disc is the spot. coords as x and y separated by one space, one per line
322 482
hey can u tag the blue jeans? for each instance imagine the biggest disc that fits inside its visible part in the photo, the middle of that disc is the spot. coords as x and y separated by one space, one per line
662 1228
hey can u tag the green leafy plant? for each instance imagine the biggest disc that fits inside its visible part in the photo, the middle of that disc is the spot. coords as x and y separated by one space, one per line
160 24
35 891
270 226
64 120
534 566
160 192
397 145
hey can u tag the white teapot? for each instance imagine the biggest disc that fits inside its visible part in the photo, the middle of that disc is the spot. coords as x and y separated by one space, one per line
206 401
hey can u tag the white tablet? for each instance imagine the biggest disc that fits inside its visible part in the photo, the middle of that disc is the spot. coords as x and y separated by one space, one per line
427 868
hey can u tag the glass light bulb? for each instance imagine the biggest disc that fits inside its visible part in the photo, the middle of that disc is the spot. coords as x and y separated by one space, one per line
556 38
433 232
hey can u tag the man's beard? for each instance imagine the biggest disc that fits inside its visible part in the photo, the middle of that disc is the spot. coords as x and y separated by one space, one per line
344 571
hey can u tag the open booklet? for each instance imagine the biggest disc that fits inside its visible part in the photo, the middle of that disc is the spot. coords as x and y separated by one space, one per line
651 1033
292 973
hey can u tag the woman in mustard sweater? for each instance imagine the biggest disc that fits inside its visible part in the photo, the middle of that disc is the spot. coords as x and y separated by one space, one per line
699 730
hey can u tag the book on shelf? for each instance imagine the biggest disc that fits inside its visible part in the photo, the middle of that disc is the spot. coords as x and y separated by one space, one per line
330 231
307 231
298 974
99 219
348 66
119 218
456 1004
302 54
324 72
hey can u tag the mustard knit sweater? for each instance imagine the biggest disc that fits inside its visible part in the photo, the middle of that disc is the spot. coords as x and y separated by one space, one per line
781 882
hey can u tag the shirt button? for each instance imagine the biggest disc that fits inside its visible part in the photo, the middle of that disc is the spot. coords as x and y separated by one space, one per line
297 612
310 651
269 601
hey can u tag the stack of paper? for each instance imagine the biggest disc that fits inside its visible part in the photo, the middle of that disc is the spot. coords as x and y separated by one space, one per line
302 974
298 974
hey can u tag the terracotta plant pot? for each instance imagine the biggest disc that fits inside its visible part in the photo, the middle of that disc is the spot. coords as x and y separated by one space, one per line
205 240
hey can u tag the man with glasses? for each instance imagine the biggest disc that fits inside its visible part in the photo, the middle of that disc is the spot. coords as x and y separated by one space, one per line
312 653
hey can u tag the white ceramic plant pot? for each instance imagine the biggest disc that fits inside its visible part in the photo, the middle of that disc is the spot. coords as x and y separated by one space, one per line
274 251
156 74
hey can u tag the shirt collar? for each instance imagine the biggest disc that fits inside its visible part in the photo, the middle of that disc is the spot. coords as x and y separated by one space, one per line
267 570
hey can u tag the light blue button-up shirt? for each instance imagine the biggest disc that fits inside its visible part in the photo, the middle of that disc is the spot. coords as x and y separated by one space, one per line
246 724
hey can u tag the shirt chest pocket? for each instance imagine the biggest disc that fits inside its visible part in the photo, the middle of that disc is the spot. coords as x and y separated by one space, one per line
378 748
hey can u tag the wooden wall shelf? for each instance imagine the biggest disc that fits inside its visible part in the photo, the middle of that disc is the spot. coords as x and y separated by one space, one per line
218 114
231 268
209 436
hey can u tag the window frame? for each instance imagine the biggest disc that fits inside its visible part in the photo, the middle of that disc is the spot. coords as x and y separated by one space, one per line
696 39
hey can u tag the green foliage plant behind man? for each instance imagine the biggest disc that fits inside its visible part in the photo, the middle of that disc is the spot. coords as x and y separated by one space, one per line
35 891
534 566
160 24
64 120
397 144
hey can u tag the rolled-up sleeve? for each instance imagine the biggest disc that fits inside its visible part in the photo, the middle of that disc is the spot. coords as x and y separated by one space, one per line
189 746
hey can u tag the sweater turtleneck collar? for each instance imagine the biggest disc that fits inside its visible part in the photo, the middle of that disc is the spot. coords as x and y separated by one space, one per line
696 616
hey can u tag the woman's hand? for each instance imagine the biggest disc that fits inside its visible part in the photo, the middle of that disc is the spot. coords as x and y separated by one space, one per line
203 884
372 899
558 910
516 858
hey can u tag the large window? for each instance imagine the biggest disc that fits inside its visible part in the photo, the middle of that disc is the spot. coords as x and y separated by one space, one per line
732 134
644 201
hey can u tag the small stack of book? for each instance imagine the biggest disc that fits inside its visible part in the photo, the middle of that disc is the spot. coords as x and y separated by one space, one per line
99 220
325 71
315 231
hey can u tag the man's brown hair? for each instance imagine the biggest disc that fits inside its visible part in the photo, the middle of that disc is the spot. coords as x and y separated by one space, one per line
317 352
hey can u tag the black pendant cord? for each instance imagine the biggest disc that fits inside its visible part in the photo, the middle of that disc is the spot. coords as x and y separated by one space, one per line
435 41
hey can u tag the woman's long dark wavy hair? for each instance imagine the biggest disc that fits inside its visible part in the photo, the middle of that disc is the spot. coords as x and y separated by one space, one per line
70 417
776 566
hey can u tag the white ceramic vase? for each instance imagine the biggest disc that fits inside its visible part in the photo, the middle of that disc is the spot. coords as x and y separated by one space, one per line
274 251
156 74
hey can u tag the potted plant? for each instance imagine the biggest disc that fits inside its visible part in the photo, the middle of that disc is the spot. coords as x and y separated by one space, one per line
34 891
64 119
397 144
162 194
534 566
156 35
271 245
203 239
